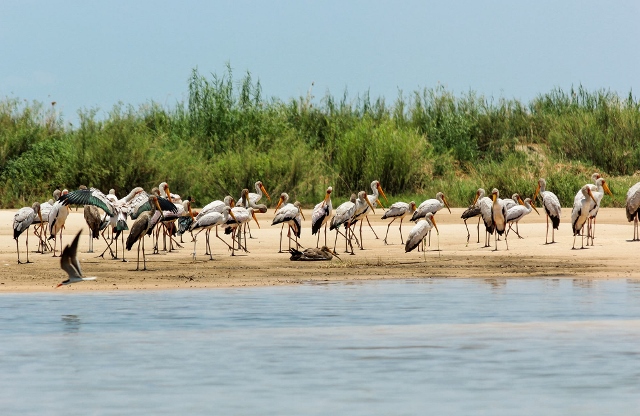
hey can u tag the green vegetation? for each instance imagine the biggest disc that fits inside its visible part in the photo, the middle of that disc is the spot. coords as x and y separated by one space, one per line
228 135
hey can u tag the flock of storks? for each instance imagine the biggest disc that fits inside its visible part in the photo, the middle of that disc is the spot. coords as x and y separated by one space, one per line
162 211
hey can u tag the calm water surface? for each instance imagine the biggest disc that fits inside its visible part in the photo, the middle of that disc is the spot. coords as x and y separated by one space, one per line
488 347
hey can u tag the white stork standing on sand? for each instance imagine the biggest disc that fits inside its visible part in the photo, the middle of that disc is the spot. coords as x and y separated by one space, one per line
551 206
22 221
486 212
290 214
518 212
253 198
473 211
431 205
343 215
208 221
419 232
321 214
598 190
395 211
374 200
236 222
499 217
362 207
57 217
580 213
141 227
215 206
633 208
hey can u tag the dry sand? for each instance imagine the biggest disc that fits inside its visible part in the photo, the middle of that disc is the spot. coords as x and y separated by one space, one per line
613 256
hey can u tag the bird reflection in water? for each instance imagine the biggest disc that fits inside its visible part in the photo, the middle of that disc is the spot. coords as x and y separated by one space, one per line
71 323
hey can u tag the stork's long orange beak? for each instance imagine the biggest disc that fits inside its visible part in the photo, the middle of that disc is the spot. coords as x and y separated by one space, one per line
606 189
433 221
369 203
233 215
534 208
168 193
190 212
253 214
535 194
279 203
475 200
265 192
444 199
382 192
301 213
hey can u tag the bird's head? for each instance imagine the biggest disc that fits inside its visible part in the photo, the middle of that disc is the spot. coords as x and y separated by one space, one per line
606 187
494 194
283 197
444 200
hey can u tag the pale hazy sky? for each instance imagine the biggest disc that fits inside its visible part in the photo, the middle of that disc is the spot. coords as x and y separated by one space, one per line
85 54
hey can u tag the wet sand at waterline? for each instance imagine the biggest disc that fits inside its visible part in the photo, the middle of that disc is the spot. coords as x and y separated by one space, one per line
613 256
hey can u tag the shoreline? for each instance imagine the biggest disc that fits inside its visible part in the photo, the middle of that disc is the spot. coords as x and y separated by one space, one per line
612 257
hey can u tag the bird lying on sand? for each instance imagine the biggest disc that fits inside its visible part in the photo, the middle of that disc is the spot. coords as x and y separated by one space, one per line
70 264
313 254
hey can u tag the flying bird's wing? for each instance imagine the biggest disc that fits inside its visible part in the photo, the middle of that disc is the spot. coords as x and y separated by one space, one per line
90 196
69 259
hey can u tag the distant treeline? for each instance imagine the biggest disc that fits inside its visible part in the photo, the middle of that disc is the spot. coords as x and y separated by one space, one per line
228 135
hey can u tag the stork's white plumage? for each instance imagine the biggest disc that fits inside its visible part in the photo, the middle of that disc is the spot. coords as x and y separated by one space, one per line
419 232
518 212
580 213
499 217
374 200
290 214
164 189
255 197
395 211
22 220
207 222
431 205
321 214
551 206
240 217
633 207
343 215
592 185
216 206
363 205
598 190
486 205
57 217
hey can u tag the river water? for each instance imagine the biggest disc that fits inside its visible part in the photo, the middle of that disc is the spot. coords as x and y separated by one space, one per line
402 347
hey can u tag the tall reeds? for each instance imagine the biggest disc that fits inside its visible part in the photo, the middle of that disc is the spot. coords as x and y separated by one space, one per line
228 135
